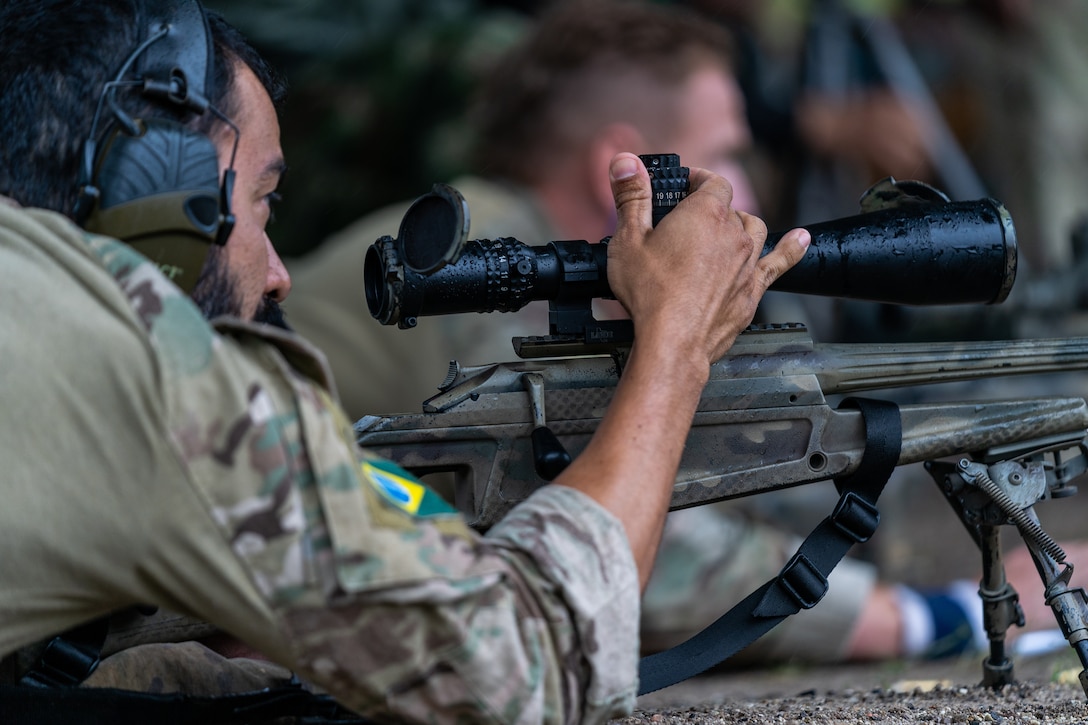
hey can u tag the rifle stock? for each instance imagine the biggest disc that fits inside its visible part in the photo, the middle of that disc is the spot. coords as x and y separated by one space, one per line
763 423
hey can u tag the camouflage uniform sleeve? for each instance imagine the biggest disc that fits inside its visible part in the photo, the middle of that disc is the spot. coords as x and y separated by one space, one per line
355 574
403 611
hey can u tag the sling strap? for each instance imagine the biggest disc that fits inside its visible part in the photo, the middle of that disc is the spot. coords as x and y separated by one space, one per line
803 580
70 657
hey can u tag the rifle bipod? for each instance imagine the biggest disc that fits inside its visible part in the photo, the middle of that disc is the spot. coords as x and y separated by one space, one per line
986 497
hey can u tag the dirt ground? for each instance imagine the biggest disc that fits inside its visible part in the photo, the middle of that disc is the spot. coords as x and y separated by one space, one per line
1046 691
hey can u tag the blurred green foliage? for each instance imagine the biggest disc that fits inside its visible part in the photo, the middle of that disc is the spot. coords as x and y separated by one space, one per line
377 96
378 91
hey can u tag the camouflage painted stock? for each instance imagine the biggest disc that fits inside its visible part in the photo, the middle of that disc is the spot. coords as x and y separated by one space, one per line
764 421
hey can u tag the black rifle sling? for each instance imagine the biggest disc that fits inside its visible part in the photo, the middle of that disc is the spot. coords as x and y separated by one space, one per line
49 695
103 706
70 657
803 580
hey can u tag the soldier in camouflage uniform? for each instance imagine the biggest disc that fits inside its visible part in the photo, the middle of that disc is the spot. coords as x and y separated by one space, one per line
154 458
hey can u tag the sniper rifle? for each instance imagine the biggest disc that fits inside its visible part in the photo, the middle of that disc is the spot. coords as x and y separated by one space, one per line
764 421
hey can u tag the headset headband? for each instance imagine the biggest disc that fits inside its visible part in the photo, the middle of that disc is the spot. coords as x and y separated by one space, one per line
182 58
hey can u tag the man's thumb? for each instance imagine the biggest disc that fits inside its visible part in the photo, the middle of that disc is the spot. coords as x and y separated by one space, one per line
631 190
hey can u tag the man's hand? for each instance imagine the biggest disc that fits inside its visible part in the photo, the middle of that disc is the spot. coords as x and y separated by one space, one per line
690 285
697 277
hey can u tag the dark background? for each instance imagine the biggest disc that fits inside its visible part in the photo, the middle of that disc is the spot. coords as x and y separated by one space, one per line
377 91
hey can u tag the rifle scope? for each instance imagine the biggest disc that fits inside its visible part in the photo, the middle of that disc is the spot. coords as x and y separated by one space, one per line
914 248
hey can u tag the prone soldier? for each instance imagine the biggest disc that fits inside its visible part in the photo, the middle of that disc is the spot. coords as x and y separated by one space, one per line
205 467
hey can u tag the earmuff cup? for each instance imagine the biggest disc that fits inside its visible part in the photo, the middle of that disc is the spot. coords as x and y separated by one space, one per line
152 182
160 193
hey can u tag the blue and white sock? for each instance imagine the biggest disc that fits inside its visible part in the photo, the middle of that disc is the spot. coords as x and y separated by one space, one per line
941 622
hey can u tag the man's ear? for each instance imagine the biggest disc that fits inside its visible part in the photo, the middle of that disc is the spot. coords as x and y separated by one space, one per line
606 143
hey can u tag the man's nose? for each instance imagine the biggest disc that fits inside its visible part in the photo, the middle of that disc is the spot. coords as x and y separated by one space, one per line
278 283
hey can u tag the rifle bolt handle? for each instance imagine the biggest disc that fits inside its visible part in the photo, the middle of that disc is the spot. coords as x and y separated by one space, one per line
549 455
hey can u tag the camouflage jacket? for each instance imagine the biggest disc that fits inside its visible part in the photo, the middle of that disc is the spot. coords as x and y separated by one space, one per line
151 458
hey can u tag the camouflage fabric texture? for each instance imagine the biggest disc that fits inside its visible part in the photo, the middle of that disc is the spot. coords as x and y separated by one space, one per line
216 477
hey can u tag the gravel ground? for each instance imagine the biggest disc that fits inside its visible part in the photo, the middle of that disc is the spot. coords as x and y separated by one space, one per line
1046 691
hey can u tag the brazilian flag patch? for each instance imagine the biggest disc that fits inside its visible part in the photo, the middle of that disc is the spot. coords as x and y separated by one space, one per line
402 490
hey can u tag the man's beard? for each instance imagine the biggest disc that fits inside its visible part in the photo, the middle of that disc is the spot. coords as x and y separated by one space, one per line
216 294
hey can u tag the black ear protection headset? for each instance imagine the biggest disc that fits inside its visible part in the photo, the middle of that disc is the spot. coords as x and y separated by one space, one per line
151 182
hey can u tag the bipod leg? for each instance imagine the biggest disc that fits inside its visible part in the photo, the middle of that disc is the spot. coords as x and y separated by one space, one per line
1000 609
1018 486
1069 604
1000 602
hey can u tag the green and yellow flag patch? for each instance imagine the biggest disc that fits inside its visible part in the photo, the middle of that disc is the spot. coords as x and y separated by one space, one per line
402 490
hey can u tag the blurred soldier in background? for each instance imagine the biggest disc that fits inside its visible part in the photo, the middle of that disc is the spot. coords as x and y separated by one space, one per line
568 103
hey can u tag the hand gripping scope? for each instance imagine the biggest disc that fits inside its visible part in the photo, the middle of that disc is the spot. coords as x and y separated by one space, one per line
909 246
